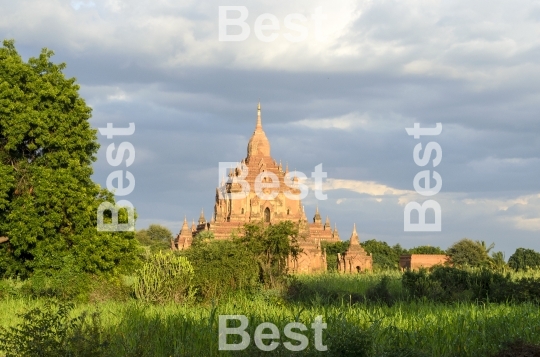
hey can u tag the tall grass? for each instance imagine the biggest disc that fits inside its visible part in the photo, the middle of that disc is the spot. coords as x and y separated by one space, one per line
414 328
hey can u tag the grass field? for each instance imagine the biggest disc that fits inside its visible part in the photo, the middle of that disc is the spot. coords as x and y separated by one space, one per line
414 328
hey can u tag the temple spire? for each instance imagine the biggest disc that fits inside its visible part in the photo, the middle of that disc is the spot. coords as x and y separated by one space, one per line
258 144
201 217
335 233
355 240
317 217
259 122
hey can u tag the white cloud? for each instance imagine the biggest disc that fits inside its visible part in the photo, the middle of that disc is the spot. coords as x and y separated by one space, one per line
364 187
489 43
522 212
355 120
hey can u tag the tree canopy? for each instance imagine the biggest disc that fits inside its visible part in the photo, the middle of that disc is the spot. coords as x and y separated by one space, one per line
524 259
426 249
469 253
272 245
48 202
384 256
155 237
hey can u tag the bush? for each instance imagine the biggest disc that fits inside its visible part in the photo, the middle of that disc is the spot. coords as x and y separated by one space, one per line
67 283
10 288
115 288
448 284
346 339
165 277
221 267
50 331
380 292
419 284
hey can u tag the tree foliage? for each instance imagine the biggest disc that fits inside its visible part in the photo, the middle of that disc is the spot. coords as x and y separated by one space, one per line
272 245
165 277
156 237
524 259
426 249
332 250
48 202
384 256
201 237
222 266
498 261
158 232
469 253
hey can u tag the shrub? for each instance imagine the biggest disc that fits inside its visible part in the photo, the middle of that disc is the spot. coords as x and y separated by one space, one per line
165 277
222 267
67 283
347 339
10 288
114 288
448 284
50 331
380 292
419 284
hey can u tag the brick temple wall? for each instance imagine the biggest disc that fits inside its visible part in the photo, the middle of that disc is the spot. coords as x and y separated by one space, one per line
417 261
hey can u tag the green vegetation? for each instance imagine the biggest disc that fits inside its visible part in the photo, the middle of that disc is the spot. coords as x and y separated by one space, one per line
468 253
48 202
155 238
202 237
524 259
222 267
271 246
165 277
417 327
425 249
385 257
68 290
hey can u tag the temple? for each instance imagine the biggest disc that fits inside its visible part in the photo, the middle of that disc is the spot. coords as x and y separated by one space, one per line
259 188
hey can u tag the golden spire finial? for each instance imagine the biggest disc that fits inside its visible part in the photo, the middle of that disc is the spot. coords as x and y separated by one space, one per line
259 122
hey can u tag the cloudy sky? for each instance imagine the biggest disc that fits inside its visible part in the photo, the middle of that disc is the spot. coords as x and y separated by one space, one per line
341 93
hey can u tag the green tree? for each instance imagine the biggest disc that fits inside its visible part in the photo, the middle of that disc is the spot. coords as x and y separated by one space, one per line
485 247
524 259
156 238
157 232
332 250
384 256
468 253
48 202
498 261
426 249
203 236
272 245
222 266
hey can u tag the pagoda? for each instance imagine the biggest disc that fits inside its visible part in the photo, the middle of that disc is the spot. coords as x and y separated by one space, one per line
261 189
